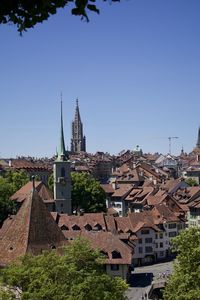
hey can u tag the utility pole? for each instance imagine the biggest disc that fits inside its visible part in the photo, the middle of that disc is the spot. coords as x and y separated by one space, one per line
170 142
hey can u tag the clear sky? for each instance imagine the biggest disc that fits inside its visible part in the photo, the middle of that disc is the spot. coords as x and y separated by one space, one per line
135 69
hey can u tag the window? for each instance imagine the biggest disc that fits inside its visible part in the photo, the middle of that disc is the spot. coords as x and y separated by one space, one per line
104 253
88 227
116 254
145 231
156 236
161 235
114 267
172 225
64 227
97 227
172 234
148 249
76 227
118 205
156 245
62 172
161 253
140 241
148 240
140 250
161 245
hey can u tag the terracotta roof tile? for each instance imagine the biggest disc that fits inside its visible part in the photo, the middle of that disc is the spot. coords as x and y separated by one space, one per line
25 190
32 230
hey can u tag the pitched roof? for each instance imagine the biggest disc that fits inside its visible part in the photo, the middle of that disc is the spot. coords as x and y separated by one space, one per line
122 190
108 188
92 219
106 242
32 230
43 191
162 213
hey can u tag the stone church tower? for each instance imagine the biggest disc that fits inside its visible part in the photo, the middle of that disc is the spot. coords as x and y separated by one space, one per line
198 139
62 179
78 141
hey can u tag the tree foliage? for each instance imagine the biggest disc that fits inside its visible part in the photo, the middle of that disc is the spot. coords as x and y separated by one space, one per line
9 184
51 182
191 182
184 284
76 275
26 14
87 194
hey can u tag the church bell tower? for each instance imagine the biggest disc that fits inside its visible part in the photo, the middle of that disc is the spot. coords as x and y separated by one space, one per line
62 179
78 140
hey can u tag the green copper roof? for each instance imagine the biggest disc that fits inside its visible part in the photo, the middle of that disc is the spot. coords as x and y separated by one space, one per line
61 153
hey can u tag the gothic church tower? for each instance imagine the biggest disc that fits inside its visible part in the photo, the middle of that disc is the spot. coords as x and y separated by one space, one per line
62 179
78 141
198 139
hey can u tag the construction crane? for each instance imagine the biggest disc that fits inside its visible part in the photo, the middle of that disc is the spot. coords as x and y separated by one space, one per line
170 142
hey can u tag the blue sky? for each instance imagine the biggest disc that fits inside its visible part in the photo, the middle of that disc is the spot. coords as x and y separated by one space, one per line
135 69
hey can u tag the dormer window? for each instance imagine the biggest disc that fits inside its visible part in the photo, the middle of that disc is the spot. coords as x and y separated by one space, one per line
76 227
64 227
104 253
88 227
116 254
97 227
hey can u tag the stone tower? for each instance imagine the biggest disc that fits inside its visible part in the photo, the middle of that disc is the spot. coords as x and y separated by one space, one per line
198 139
78 141
62 179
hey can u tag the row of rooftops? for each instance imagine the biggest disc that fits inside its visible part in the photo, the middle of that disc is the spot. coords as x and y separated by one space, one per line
88 159
34 229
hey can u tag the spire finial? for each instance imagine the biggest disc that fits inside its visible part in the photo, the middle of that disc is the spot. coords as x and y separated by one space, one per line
77 101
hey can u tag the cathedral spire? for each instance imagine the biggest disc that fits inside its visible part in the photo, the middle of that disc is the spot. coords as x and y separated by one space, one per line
198 139
61 154
78 141
77 113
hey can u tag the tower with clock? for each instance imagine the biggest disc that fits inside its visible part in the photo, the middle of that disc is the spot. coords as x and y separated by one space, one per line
62 179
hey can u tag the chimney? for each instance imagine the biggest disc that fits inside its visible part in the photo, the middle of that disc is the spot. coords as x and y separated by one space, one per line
114 184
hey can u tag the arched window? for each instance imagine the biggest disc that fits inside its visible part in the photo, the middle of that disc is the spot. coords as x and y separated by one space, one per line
62 172
116 254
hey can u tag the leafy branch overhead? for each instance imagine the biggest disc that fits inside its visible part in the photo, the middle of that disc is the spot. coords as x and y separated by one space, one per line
27 13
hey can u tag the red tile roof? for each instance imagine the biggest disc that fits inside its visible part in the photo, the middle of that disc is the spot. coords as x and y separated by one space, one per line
32 230
25 190
107 242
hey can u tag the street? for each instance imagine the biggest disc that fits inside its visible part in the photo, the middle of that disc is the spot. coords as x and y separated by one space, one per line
142 277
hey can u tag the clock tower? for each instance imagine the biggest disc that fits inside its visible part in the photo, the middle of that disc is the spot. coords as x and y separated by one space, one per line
62 179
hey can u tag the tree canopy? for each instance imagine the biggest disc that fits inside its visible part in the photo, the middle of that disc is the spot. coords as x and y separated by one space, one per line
26 14
9 184
87 194
184 284
76 275
191 182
